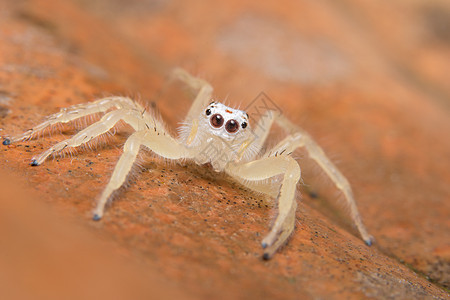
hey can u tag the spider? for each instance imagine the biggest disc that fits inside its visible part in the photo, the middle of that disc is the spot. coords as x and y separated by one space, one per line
211 133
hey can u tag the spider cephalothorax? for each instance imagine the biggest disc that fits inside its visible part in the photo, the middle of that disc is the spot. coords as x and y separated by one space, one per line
221 133
211 133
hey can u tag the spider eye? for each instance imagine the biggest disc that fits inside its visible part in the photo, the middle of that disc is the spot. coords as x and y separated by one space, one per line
232 126
216 120
208 112
244 124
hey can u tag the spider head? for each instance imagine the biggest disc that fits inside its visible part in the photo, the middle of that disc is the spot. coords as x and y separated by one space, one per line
221 134
225 122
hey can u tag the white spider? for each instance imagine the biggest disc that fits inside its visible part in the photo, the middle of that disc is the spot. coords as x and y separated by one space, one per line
212 133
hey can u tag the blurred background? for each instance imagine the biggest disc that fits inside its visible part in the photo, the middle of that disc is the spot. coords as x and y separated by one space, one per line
368 80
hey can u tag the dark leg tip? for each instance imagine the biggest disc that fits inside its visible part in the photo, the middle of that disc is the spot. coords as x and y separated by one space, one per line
6 142
313 195
34 163
369 242
266 256
264 245
96 217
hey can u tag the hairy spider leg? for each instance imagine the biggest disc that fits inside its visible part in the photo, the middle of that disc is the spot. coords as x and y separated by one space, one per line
299 138
161 144
77 111
201 88
261 130
108 121
265 168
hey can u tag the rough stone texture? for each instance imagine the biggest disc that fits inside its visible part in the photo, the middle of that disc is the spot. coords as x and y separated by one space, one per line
367 79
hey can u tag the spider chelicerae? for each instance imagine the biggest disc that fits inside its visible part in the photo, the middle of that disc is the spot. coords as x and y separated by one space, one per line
211 133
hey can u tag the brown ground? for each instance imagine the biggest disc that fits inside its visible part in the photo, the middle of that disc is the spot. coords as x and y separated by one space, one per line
368 80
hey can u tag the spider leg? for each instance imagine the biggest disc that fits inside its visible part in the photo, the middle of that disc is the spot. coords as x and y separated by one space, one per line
72 113
260 132
200 87
161 144
265 168
108 121
299 138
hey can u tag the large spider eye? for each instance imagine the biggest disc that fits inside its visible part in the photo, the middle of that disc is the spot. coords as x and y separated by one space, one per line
232 126
216 120
208 112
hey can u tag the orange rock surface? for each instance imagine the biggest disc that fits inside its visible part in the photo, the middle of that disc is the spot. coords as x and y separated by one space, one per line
368 80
